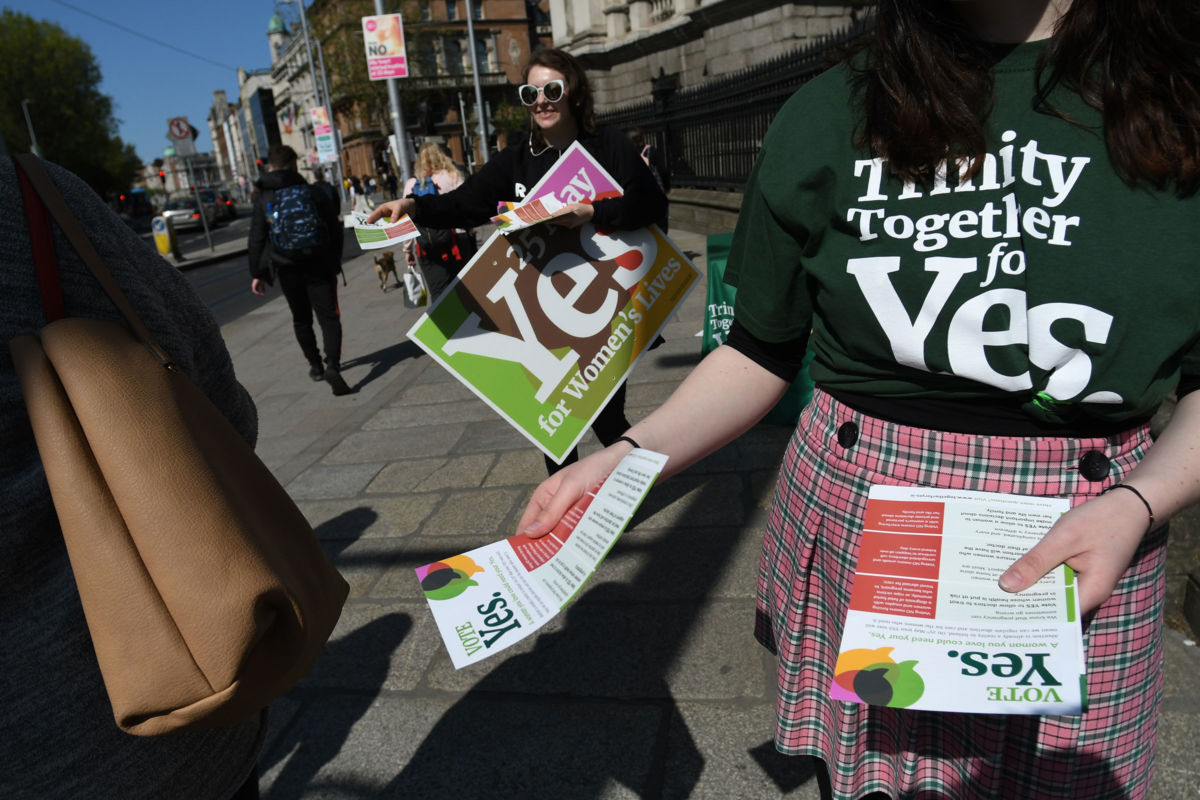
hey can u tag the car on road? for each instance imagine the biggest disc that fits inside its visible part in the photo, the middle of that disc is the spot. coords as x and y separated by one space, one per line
184 214
222 201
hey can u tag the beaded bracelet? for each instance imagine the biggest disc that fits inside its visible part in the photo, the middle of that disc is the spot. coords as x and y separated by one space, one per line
1145 502
636 446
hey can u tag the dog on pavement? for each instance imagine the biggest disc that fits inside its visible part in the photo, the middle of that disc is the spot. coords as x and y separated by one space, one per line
385 264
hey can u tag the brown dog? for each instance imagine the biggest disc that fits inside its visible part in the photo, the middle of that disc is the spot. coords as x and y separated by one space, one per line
385 264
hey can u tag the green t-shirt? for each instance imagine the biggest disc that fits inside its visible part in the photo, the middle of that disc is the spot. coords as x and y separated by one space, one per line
1044 277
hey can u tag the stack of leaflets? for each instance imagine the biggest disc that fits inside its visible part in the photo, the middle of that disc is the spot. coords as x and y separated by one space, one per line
929 627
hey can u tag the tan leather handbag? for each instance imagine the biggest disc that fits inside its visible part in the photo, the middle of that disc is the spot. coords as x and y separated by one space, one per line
205 590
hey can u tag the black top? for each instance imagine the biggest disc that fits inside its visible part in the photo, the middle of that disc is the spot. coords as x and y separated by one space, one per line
266 260
512 172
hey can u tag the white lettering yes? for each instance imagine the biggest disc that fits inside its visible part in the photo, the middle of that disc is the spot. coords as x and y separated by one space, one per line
967 338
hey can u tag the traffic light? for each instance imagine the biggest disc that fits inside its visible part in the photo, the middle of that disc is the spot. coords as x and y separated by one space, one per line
162 177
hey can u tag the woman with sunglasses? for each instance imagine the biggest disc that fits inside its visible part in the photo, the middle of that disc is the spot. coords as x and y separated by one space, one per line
555 90
985 225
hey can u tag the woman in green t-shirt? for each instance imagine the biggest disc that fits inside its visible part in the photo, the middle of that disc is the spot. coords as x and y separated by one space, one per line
985 227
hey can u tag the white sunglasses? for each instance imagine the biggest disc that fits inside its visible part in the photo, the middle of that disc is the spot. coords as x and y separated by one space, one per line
553 91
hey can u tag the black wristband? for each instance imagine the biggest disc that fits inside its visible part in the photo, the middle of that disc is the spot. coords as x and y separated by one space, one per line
1145 502
636 446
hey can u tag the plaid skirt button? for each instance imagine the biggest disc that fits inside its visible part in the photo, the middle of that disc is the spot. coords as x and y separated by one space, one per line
1094 466
847 434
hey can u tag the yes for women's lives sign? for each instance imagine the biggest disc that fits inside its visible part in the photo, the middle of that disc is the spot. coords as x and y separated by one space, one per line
545 323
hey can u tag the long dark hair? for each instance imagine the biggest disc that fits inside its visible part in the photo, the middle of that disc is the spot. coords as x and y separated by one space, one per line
925 85
579 91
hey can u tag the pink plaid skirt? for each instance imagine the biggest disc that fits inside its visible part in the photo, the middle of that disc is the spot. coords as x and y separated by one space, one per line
809 554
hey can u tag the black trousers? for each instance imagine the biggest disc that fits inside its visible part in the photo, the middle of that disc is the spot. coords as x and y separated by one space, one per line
610 424
310 292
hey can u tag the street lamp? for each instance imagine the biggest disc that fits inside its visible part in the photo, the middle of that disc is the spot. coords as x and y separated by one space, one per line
33 145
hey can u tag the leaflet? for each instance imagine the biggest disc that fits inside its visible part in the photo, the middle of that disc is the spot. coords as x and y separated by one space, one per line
492 597
929 628
381 233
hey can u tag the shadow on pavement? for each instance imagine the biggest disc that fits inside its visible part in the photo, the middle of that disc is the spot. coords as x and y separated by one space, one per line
366 655
591 705
381 361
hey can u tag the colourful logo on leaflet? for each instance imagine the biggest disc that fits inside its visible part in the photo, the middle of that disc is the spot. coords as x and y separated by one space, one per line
875 678
448 578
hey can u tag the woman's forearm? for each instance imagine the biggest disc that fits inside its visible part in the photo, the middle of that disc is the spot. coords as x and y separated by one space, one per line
725 395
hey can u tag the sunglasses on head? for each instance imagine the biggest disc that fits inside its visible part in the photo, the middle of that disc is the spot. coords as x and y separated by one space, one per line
553 91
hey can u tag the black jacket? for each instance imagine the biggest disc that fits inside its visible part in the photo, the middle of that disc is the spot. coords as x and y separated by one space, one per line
265 260
512 172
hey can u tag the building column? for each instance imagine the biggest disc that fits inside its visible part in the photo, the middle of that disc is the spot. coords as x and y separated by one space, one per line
639 15
617 19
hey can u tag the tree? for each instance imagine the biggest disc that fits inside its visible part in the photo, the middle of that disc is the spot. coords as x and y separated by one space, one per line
73 121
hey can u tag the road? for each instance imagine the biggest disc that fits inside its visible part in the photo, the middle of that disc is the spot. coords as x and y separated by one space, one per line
224 285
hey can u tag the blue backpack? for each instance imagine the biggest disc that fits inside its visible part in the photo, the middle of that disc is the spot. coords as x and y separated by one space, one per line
424 187
294 220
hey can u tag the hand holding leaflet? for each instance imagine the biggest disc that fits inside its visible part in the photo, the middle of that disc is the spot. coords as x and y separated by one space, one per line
492 597
374 235
928 628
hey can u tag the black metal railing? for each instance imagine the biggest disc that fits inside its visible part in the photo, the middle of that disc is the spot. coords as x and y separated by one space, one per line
709 135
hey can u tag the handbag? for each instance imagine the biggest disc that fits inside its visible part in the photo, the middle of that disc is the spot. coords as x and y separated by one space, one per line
205 590
415 295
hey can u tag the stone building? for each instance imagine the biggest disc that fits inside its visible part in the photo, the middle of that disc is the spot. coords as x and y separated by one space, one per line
639 50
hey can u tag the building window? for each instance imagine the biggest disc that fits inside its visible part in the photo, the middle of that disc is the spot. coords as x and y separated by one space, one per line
454 55
451 9
425 14
426 58
481 54
477 8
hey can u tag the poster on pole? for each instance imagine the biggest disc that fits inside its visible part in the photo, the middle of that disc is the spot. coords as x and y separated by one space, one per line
323 131
383 37
544 324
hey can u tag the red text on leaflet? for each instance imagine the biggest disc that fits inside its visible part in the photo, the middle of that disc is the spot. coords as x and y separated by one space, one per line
904 516
532 553
900 554
881 594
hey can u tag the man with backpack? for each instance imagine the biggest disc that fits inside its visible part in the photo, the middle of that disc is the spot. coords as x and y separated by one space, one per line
296 235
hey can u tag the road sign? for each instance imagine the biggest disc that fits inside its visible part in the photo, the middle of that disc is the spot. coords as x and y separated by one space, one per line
178 128
180 133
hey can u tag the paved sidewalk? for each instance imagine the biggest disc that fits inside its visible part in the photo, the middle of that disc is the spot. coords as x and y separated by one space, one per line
649 686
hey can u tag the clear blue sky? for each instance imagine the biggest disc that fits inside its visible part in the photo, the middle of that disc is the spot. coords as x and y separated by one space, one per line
151 83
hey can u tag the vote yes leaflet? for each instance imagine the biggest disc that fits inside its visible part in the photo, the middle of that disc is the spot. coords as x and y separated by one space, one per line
928 626
492 597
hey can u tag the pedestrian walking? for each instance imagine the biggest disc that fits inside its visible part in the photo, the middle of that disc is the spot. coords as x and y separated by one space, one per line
983 226
438 253
296 235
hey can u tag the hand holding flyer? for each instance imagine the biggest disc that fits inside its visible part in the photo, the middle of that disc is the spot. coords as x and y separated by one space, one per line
929 628
381 233
494 596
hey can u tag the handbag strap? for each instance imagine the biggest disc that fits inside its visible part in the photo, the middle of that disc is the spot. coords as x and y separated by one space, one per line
41 244
35 171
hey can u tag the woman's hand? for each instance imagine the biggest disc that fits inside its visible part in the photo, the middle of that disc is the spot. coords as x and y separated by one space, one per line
1097 539
577 214
555 495
393 209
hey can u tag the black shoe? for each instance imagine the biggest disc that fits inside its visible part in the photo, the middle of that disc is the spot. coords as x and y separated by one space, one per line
334 379
316 372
